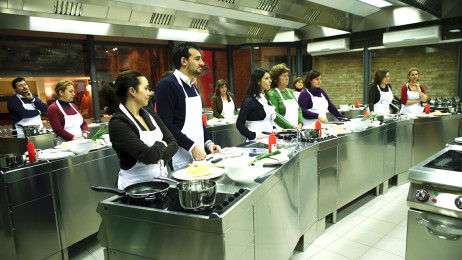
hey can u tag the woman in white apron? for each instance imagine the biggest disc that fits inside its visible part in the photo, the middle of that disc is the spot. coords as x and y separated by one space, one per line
314 101
142 141
256 108
380 93
412 94
65 119
297 87
284 99
223 105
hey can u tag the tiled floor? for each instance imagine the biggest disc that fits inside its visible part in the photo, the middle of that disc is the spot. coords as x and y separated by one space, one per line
373 227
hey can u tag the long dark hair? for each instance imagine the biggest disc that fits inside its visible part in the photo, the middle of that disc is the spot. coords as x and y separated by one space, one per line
379 75
312 74
220 83
254 87
126 80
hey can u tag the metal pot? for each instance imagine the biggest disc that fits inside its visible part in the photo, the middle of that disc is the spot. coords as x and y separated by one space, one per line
195 194
11 160
311 133
31 130
143 191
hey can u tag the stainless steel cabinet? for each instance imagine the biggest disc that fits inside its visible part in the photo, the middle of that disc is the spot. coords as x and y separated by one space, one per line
327 181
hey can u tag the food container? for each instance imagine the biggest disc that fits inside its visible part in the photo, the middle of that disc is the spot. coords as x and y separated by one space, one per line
345 107
357 124
244 174
80 146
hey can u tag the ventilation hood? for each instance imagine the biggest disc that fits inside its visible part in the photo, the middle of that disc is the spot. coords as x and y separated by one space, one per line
218 21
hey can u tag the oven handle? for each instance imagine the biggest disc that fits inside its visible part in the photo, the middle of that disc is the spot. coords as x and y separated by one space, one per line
441 229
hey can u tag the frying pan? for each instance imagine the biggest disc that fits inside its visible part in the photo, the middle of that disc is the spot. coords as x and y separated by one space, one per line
143 191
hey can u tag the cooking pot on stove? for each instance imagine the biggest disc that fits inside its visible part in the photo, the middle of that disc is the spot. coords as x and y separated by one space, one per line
195 194
11 160
311 133
31 130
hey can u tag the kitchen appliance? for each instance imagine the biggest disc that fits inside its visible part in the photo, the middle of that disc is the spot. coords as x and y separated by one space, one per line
434 228
171 203
11 160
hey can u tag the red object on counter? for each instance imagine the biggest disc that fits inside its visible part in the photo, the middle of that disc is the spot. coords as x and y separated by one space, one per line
427 109
318 126
204 119
356 104
366 114
271 141
31 151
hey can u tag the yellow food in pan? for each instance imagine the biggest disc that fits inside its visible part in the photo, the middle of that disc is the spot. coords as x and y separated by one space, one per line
198 171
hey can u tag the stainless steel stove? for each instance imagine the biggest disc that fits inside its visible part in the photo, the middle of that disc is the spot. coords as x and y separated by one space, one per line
434 227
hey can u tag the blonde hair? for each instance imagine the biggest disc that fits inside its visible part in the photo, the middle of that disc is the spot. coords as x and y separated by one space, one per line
276 71
409 73
62 85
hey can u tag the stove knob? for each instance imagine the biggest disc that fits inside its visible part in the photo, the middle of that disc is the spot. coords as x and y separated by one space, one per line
458 202
422 195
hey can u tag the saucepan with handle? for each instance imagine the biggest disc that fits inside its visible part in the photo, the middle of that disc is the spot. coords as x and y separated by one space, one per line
195 194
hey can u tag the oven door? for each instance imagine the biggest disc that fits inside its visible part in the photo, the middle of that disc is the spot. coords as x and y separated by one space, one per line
433 236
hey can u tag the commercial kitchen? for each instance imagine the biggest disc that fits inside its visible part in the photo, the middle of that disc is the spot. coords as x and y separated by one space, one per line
300 207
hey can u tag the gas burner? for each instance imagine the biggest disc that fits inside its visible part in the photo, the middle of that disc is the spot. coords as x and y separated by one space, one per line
317 140
170 203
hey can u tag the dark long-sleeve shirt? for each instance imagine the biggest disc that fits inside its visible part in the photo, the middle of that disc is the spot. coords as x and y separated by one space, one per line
171 108
56 118
251 110
18 112
305 102
125 139
374 95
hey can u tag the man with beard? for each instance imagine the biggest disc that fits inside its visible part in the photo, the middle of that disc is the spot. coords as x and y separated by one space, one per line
180 108
24 108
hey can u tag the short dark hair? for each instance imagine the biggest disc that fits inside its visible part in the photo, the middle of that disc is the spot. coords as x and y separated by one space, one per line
312 74
296 81
182 50
255 77
126 80
16 80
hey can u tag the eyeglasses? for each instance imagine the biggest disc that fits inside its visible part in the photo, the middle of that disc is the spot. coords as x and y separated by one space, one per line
21 85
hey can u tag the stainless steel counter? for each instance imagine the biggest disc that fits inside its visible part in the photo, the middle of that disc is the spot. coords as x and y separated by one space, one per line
47 206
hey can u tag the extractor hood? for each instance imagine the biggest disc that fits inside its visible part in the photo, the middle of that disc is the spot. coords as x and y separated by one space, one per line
220 21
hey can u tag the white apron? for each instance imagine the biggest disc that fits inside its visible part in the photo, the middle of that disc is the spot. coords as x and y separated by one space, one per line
414 108
228 107
72 123
141 172
192 128
266 124
320 107
297 95
36 120
381 108
291 110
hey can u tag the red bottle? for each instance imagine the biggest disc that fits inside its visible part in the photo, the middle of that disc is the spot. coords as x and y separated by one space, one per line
427 109
271 141
318 126
31 151
204 119
356 104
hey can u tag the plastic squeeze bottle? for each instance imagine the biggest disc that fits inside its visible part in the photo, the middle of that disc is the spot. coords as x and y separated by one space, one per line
427 109
271 141
356 104
318 126
31 151
204 119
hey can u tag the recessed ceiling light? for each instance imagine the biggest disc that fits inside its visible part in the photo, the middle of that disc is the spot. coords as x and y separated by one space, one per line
454 31
377 3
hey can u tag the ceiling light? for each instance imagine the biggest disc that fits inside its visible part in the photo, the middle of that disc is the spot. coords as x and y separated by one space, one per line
377 3
454 31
